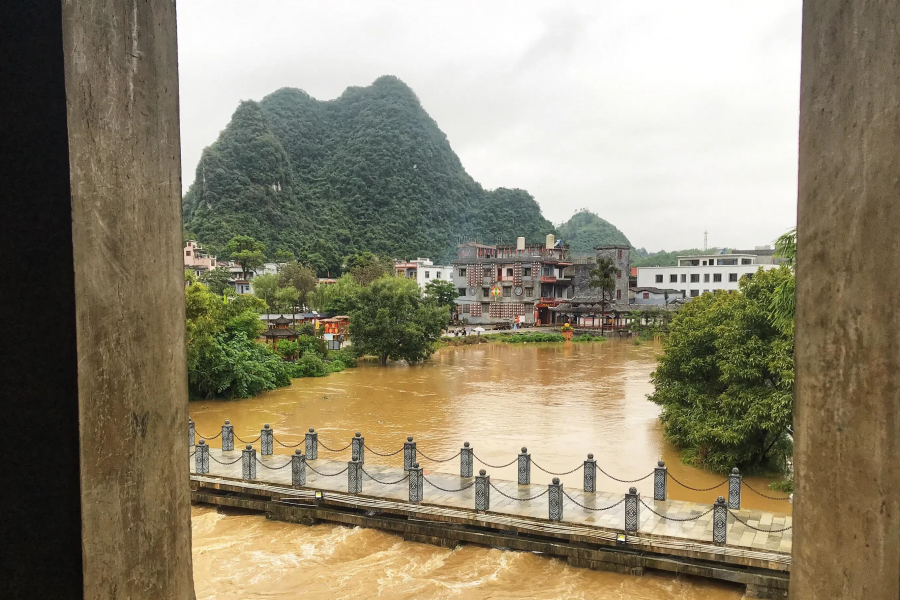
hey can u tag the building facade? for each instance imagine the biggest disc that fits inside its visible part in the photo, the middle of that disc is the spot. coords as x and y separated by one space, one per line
654 296
423 271
196 259
695 275
512 282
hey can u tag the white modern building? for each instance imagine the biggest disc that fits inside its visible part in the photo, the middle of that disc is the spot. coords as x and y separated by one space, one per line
695 275
423 271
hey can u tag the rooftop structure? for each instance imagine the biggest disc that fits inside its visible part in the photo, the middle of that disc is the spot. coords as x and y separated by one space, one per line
196 258
695 275
423 270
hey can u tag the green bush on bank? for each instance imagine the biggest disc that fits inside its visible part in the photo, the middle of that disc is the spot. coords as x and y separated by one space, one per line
523 338
588 337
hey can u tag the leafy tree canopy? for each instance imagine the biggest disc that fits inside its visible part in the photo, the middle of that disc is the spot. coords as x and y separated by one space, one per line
247 252
391 321
337 298
218 281
442 292
300 277
725 379
585 231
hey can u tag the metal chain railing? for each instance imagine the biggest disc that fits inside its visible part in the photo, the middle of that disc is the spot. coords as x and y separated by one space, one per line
599 468
434 485
253 441
499 491
680 520
494 466
581 466
402 479
438 460
737 518
784 498
377 453
313 469
273 468
286 445
333 450
576 502
203 437
672 477
211 457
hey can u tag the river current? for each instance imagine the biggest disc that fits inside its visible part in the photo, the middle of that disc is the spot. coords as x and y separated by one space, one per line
561 401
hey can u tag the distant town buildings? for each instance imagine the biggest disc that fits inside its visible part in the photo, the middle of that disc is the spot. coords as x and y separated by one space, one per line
512 281
423 271
695 275
196 259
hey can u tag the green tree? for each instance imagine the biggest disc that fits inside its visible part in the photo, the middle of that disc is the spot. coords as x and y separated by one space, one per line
603 279
283 256
442 292
265 287
725 378
585 231
189 277
337 298
218 281
393 322
287 299
247 252
300 277
784 302
367 267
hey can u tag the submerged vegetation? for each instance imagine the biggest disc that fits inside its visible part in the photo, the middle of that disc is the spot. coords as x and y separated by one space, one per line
524 338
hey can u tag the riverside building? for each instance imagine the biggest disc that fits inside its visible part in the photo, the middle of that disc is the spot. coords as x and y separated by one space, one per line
512 281
695 275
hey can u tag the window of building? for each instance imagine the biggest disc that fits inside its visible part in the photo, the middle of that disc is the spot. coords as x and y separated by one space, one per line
485 292
436 275
462 292
427 274
618 294
507 291
646 295
465 308
717 278
706 278
486 272
187 252
659 279
704 291
695 278
546 271
620 253
529 292
462 272
683 278
526 271
509 272
732 277
746 261
673 278
619 275
695 293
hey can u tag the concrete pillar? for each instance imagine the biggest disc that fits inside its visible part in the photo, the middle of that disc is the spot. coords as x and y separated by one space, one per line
524 467
847 345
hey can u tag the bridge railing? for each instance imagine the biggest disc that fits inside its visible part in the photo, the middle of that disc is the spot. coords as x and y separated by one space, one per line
415 480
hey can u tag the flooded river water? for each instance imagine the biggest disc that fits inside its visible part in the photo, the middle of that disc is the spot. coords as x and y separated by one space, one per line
561 401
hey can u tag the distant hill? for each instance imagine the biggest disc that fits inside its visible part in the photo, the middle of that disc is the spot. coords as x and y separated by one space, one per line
368 171
663 258
585 230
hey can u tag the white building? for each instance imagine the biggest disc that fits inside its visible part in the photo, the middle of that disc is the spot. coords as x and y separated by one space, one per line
423 271
695 275
654 295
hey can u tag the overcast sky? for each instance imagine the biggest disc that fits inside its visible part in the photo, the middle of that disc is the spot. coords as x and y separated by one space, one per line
665 118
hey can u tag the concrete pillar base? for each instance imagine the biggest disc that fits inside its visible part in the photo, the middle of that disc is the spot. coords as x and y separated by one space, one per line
430 539
763 591
603 565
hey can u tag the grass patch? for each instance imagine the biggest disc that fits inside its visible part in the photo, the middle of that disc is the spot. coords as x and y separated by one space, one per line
524 338
588 337
468 340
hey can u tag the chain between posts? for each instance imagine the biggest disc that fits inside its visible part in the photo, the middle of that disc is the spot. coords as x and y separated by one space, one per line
694 518
495 466
286 445
192 453
746 524
518 499
552 473
376 453
465 487
672 477
402 479
332 450
785 498
577 503
203 437
313 469
253 441
599 468
273 468
224 463
426 457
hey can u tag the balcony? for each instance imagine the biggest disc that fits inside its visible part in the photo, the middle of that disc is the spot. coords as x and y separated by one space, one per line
548 279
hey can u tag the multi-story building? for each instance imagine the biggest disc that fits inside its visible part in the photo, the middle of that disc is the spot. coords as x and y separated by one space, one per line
196 259
423 271
695 275
521 281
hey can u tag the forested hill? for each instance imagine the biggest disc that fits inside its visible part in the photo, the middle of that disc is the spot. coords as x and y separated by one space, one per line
368 171
585 231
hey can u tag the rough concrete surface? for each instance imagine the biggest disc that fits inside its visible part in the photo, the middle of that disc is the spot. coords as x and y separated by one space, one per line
122 104
847 513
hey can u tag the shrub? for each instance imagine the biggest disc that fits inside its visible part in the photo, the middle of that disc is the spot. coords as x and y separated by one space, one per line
310 365
521 338
587 337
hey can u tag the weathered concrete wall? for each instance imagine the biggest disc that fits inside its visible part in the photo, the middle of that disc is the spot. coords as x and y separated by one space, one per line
847 513
122 102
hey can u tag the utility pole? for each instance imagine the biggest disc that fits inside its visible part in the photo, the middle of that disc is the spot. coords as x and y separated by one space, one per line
705 248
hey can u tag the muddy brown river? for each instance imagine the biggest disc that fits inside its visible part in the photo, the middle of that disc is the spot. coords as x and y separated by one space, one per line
561 401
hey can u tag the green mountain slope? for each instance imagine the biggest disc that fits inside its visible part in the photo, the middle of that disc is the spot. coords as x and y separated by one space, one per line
585 230
368 171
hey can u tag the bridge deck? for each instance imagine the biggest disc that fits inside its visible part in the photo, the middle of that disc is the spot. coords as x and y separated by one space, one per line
769 549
